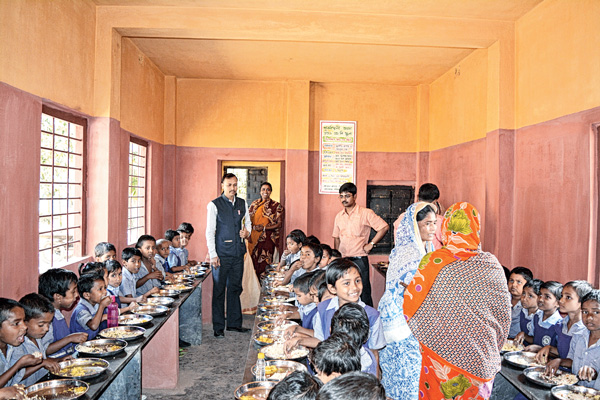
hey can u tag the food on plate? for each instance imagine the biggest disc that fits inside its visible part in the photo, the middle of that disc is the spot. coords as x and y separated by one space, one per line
276 351
37 354
264 339
98 348
565 395
560 378
121 334
77 371
510 345
177 286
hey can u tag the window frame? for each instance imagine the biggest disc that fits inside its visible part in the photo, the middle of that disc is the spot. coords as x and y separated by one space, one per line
146 145
83 122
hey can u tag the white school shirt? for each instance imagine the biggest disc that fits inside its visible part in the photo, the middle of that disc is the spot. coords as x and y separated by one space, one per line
8 361
127 287
28 347
582 354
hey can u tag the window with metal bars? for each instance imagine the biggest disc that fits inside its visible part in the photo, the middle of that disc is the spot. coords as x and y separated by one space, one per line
136 217
61 203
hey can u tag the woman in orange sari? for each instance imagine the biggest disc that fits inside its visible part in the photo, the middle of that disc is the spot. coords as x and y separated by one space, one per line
267 218
458 308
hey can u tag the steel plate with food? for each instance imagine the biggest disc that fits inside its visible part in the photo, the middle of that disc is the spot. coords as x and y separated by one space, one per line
511 345
82 368
267 337
276 370
153 310
123 332
271 315
166 293
271 326
254 390
279 299
276 351
184 281
272 306
521 359
135 319
572 392
57 389
538 376
162 301
101 347
178 287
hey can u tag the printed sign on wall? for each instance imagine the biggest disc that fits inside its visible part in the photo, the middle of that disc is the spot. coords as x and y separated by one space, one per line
337 155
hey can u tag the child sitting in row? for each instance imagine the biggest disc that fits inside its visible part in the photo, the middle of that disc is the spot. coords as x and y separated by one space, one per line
132 262
39 313
334 357
12 335
529 302
176 256
353 385
89 312
105 251
149 276
309 261
186 230
59 286
571 324
584 351
298 385
519 276
293 246
326 257
545 318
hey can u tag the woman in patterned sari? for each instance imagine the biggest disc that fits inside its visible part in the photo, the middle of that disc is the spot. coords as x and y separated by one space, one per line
267 218
400 360
458 308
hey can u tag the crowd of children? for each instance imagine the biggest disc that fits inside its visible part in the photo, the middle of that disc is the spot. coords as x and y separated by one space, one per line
561 323
34 334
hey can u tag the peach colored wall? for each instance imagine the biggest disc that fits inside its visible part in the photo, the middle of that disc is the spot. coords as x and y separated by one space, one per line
142 94
457 103
557 73
386 115
242 114
48 50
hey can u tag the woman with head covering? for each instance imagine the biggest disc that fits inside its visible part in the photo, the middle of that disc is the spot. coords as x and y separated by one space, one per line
458 308
400 360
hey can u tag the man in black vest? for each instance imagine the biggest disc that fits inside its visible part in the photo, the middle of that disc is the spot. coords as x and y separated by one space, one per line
227 226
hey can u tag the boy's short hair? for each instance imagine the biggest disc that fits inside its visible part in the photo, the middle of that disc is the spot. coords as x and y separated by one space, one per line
593 295
428 192
91 268
185 227
317 277
161 241
112 265
55 281
353 385
581 287
348 187
170 234
144 238
299 385
86 283
302 283
297 236
336 354
129 252
103 248
337 268
351 319
553 287
315 248
535 284
35 305
326 248
5 306
523 271
321 290
336 253
312 239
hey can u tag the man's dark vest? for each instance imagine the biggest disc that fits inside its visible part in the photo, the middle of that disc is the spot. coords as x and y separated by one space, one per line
229 224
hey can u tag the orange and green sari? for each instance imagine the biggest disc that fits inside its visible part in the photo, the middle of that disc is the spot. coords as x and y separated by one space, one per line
262 244
458 308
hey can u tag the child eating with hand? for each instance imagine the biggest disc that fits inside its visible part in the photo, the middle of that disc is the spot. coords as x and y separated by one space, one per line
310 257
89 313
132 261
293 246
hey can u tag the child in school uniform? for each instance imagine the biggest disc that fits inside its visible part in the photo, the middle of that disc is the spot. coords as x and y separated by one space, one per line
519 276
39 313
89 312
545 318
115 277
149 275
326 256
310 258
59 286
186 230
161 257
12 335
306 308
529 302
293 243
335 356
105 251
584 351
132 261
176 256
353 385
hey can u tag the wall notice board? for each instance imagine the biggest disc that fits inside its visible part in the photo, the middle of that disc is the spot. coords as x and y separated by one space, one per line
337 155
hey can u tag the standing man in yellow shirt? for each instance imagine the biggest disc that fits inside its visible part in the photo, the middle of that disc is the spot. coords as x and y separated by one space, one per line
351 231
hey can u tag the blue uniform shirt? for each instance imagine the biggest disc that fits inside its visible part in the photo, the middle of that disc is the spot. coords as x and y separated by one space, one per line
8 361
127 287
544 333
82 314
583 354
28 347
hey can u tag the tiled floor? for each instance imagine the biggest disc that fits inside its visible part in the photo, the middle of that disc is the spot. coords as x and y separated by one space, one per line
212 370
